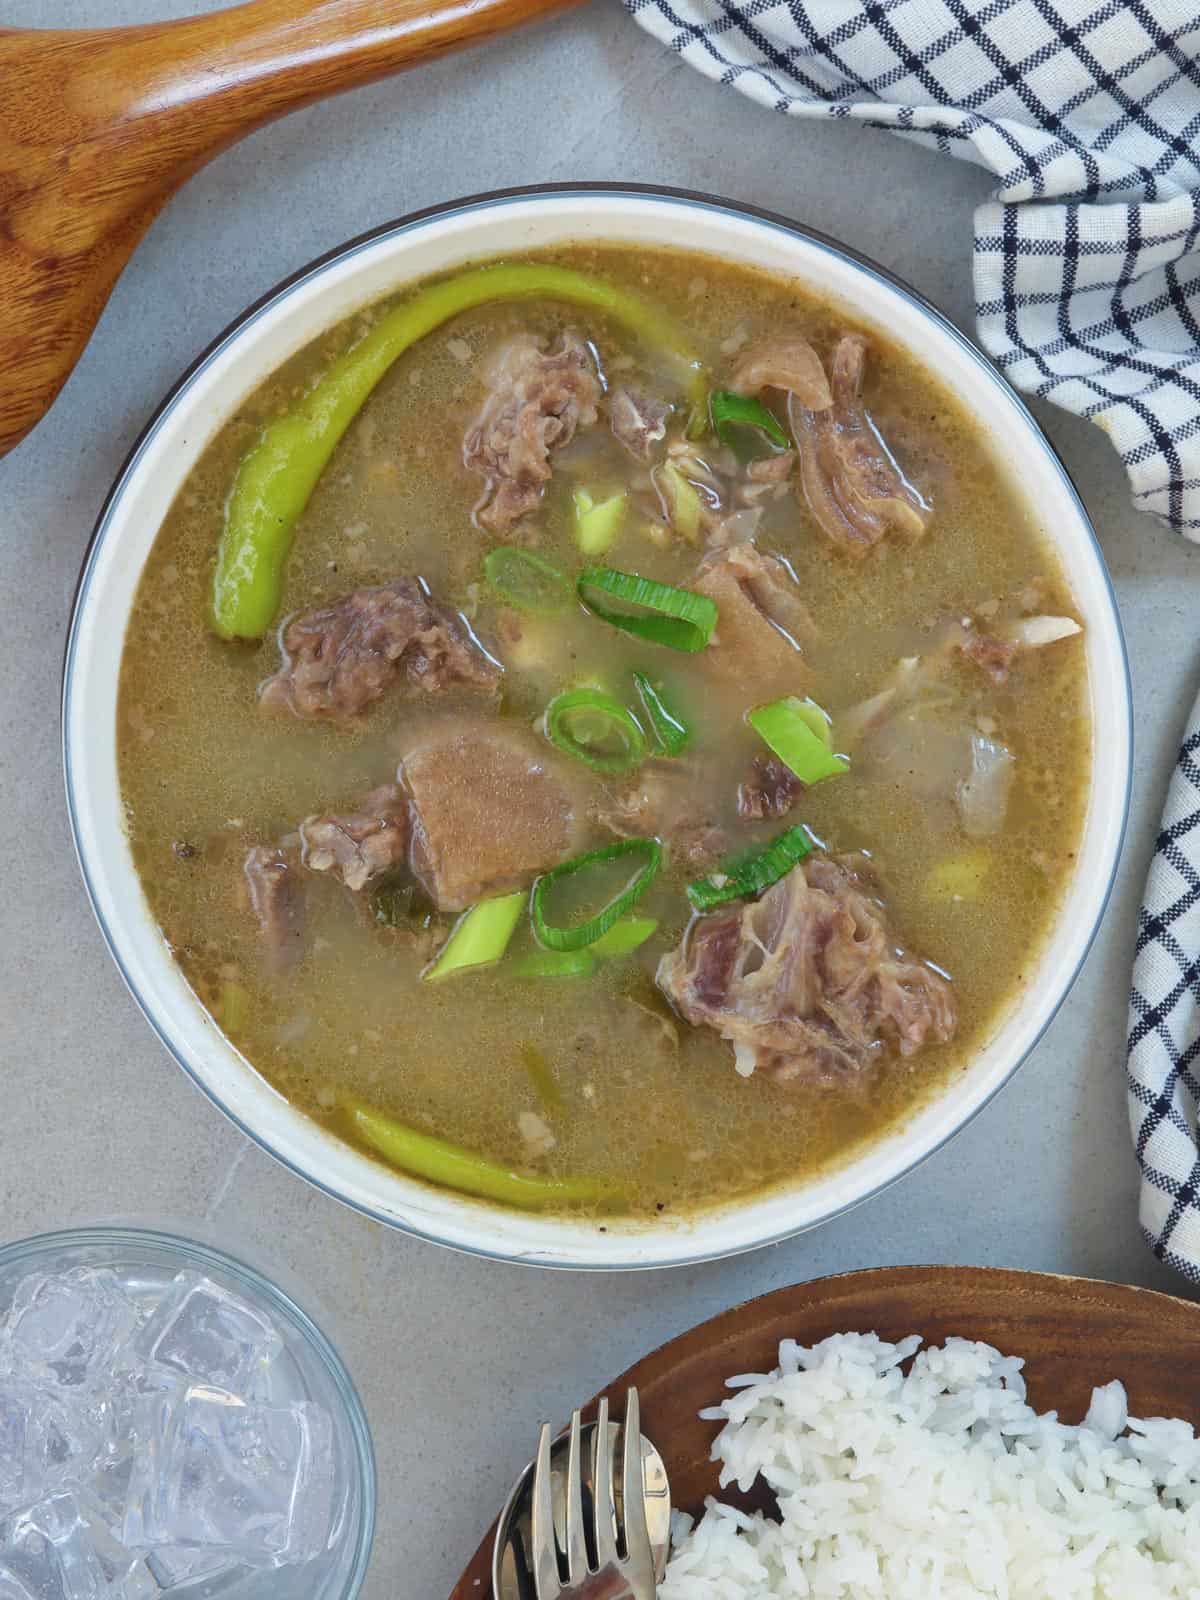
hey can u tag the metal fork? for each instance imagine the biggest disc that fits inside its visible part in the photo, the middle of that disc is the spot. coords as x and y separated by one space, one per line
599 1560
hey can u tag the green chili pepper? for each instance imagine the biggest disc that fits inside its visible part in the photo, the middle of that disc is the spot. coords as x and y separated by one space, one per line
280 472
452 1167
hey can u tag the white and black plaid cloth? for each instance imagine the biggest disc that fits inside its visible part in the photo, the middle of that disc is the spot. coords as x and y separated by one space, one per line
1164 1024
1087 270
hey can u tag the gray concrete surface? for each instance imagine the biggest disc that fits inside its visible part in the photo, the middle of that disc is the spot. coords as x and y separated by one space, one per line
457 1359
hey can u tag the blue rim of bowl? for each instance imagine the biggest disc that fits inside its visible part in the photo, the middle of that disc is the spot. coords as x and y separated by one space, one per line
181 1246
488 201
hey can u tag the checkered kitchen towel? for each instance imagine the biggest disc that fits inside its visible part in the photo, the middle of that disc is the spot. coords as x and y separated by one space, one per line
1087 265
1164 1024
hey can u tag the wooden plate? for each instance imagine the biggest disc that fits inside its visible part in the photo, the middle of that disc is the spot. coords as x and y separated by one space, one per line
1074 1333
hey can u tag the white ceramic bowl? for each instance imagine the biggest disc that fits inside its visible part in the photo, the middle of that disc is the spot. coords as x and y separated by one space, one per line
324 293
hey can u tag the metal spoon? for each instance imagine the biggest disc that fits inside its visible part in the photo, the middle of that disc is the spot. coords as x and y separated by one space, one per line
511 1578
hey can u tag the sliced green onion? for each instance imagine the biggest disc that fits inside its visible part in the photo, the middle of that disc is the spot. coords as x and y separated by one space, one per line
527 581
586 933
440 1162
750 876
541 1076
596 729
740 421
817 718
623 938
681 500
555 964
787 726
597 523
678 618
671 731
479 937
233 1006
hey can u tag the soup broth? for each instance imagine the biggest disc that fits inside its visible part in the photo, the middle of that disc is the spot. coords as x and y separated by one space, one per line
921 652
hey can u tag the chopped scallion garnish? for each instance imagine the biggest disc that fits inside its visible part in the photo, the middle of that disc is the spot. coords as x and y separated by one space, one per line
669 728
623 938
597 523
596 729
745 425
555 964
582 934
680 500
750 876
479 937
677 618
790 727
527 581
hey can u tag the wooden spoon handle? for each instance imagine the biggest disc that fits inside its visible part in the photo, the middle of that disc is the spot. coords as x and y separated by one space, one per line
99 127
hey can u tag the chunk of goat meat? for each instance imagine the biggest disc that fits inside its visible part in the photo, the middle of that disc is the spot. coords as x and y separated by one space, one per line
638 420
771 469
762 623
986 650
807 981
537 398
340 658
663 803
852 483
489 810
771 790
277 900
358 846
789 363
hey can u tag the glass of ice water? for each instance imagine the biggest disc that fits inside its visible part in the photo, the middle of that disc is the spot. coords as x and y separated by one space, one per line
172 1424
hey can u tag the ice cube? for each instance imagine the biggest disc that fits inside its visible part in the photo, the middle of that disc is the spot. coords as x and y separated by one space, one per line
47 1553
193 1573
70 1431
16 1413
11 1586
60 1519
70 1325
206 1334
136 1583
219 1473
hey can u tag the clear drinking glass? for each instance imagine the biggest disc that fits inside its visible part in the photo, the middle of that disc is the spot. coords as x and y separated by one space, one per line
308 1369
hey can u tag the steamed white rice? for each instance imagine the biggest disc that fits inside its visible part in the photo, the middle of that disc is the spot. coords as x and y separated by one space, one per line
936 1481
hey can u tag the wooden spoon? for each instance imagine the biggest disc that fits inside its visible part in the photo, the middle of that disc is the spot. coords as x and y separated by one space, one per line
98 128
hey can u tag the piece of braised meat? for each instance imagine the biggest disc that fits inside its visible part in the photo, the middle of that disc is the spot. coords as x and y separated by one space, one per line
489 810
852 483
340 658
277 900
789 363
762 623
771 790
807 981
638 420
358 846
989 651
537 398
663 802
